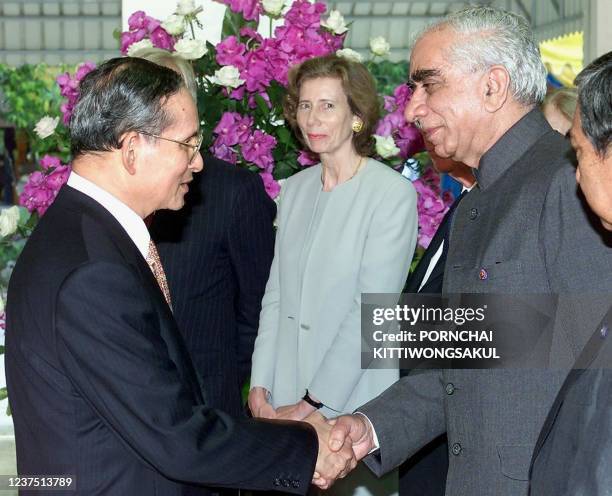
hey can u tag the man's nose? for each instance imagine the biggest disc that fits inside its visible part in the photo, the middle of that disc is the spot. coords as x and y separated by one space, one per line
415 108
197 164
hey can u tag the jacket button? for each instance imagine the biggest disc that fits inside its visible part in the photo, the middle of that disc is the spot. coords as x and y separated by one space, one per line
456 449
483 275
305 327
450 388
603 331
473 214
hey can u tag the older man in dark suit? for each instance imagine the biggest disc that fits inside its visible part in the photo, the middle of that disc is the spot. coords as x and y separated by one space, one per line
478 79
574 450
100 383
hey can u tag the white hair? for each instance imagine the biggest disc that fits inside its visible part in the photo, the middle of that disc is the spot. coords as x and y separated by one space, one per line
497 37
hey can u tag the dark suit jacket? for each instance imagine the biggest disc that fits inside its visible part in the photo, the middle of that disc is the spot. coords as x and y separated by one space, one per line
523 230
101 385
574 450
216 253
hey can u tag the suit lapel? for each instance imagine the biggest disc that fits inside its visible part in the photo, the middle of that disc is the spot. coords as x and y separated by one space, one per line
73 199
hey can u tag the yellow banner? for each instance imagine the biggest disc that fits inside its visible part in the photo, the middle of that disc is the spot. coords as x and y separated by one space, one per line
563 57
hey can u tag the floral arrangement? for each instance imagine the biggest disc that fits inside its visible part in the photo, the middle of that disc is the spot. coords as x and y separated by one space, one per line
241 84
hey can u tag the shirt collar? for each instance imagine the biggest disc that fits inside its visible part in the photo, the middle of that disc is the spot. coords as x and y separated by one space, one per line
511 147
130 221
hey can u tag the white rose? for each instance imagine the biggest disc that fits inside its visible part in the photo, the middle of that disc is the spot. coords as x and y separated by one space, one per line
380 46
190 49
273 7
185 7
139 45
174 24
349 54
385 146
228 76
1 303
46 126
9 217
335 22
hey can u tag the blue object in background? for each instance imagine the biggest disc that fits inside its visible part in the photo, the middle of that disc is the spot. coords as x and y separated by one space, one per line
449 184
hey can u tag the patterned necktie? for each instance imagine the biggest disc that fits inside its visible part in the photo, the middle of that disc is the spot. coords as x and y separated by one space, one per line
158 271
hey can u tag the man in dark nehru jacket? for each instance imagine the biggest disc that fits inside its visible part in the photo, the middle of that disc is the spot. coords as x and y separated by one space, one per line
478 81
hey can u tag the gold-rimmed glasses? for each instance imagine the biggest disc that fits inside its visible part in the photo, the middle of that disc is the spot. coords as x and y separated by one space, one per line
196 147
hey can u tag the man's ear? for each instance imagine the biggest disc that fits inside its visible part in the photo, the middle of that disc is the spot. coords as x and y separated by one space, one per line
130 148
495 88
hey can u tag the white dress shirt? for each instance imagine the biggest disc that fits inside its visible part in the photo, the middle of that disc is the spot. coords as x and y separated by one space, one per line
130 221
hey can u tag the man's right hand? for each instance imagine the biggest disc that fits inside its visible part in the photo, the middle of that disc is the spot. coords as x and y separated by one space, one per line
356 430
259 405
331 465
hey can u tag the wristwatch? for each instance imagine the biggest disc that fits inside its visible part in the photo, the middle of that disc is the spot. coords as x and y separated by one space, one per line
311 402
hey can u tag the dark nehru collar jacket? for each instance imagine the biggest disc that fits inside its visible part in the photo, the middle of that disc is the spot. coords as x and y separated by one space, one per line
524 229
100 382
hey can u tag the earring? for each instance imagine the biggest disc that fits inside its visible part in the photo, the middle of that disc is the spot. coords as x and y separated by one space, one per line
357 126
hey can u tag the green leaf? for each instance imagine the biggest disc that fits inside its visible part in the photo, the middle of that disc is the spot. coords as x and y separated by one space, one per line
262 106
3 394
284 135
232 23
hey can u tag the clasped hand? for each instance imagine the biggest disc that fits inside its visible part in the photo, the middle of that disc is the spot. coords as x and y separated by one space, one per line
343 441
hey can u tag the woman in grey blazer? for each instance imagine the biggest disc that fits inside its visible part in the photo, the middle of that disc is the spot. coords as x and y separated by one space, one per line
346 226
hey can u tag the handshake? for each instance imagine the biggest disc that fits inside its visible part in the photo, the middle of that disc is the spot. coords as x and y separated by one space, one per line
343 441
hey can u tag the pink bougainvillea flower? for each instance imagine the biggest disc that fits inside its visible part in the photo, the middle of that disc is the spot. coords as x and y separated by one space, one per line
247 32
69 88
304 14
409 140
224 152
231 52
250 9
258 149
307 158
161 39
271 186
58 178
49 161
42 186
137 20
431 205
233 129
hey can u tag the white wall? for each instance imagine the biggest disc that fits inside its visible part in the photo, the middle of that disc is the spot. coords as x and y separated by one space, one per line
211 16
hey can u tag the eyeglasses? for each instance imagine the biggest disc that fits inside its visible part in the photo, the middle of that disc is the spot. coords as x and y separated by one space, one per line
196 147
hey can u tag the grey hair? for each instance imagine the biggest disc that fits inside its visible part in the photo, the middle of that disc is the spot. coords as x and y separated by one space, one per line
121 95
595 102
174 62
497 37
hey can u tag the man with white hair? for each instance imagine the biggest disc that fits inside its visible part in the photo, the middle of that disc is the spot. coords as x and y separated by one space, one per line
478 80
